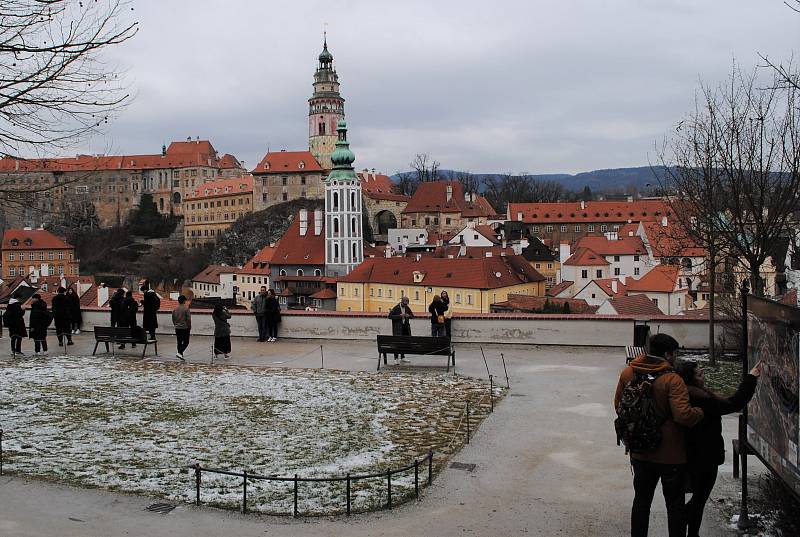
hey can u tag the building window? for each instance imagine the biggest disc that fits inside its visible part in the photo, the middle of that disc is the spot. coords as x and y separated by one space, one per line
41 256
550 265
342 292
355 291
317 272
577 228
284 180
616 259
655 301
603 228
469 299
282 272
538 266
416 295
458 298
584 274
636 258
548 228
11 256
12 271
447 221
563 228
389 293
300 272
51 255
285 196
535 229
371 292
380 292
590 228
599 273
616 271
636 271
31 256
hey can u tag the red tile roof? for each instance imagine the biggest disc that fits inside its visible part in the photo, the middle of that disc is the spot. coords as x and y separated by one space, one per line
33 239
621 246
211 273
259 263
222 187
671 241
606 284
287 161
373 251
561 287
584 257
481 273
432 198
380 187
634 305
525 303
294 249
660 279
591 212
323 294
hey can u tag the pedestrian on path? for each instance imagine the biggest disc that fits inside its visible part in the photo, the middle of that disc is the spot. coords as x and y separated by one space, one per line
14 319
663 459
150 306
182 319
222 331
437 309
61 317
273 316
116 306
401 316
75 316
448 313
128 315
39 321
259 307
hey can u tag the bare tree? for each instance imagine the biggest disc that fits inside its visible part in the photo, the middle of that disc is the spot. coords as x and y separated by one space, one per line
425 168
470 182
500 190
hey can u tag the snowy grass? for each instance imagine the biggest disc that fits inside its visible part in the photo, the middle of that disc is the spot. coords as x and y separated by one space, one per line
137 426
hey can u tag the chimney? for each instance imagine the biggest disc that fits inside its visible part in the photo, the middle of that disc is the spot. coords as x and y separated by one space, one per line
664 221
563 252
630 234
614 286
102 295
303 222
317 222
612 235
504 243
44 270
583 205
388 252
488 254
449 192
462 250
418 257
519 216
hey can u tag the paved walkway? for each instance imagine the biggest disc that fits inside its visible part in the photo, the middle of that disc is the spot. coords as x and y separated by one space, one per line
546 460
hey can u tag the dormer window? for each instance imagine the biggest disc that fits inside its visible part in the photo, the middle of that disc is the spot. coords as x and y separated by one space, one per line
14 242
28 242
266 165
301 165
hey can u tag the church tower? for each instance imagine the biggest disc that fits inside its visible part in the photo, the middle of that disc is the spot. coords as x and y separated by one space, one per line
344 240
325 109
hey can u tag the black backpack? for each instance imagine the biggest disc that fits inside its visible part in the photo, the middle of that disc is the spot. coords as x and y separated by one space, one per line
637 424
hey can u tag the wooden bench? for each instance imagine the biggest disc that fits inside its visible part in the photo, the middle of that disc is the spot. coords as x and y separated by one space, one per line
632 352
122 334
430 346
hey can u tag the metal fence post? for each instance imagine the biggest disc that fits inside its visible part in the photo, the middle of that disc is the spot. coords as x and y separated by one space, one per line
322 357
295 495
197 482
1 451
416 478
244 491
491 393
467 421
430 467
389 488
348 494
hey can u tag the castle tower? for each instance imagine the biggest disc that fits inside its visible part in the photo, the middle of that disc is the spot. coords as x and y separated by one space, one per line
344 240
325 109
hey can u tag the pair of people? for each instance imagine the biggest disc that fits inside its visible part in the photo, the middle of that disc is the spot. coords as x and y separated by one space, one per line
124 309
268 314
439 309
691 436
40 319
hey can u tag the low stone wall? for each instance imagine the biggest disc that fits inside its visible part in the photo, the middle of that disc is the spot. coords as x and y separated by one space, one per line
577 330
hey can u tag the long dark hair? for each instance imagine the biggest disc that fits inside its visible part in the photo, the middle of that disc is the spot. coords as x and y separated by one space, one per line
686 369
218 307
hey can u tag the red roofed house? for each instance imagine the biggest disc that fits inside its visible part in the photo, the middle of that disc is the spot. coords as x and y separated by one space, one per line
215 281
634 306
664 286
584 266
377 284
287 175
443 207
668 243
255 273
598 291
627 256
542 304
25 251
383 202
213 207
477 235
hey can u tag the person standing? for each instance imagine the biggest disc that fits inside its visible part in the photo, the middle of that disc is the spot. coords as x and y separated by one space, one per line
127 318
705 447
448 313
14 319
273 315
182 319
437 309
150 305
222 331
259 307
665 462
61 317
75 317
401 316
116 306
39 321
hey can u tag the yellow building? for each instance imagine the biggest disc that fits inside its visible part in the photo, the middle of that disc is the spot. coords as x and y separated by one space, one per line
214 207
27 250
473 285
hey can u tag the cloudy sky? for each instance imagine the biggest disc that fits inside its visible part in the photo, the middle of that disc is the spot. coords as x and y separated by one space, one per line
538 86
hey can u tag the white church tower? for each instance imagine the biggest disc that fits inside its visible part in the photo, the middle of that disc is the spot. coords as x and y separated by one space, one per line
344 240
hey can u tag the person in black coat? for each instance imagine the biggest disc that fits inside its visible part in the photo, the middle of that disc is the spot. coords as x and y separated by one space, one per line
14 319
437 309
39 321
150 305
116 306
705 447
75 316
401 316
61 316
273 315
127 316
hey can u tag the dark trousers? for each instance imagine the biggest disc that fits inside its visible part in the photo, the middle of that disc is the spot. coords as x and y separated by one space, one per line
261 321
447 330
75 325
437 330
702 485
645 478
182 337
40 345
61 338
272 328
152 333
16 344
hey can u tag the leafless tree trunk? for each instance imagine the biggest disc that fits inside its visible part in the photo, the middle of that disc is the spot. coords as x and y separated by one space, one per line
519 188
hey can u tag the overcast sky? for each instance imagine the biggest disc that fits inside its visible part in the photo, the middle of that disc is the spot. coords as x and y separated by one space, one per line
534 85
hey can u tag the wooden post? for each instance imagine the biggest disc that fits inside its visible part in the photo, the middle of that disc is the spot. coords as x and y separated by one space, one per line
244 492
389 488
416 478
197 482
430 467
467 421
348 494
295 495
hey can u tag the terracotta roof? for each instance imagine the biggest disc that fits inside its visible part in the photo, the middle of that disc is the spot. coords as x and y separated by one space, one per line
607 285
432 198
584 257
287 161
380 187
472 252
324 294
591 212
621 246
660 279
294 249
671 241
525 303
373 251
211 273
634 305
229 161
561 287
286 292
222 187
259 263
32 239
480 273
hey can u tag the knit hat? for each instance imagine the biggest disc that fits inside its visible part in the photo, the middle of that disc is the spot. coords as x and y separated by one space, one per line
13 301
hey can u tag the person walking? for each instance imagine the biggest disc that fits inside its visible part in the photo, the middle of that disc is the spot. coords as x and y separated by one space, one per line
127 318
14 319
182 319
116 306
222 331
61 316
150 306
39 321
273 315
448 313
259 307
437 309
401 316
705 446
75 317
665 462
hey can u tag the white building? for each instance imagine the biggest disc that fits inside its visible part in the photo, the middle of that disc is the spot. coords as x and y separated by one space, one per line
402 238
627 256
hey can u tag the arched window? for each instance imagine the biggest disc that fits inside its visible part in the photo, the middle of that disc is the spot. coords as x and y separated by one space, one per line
317 272
353 200
336 227
300 272
335 253
355 253
335 201
353 225
322 128
282 272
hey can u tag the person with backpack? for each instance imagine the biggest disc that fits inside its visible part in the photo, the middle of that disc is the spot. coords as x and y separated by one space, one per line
39 321
705 447
652 405
14 319
259 307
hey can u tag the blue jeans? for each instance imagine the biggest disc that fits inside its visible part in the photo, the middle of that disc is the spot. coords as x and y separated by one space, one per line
262 327
437 330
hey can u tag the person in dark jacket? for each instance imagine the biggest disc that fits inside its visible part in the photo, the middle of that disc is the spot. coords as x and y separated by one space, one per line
273 315
116 306
448 314
75 317
705 447
222 331
437 309
128 314
182 320
14 319
259 307
61 317
39 321
401 316
150 305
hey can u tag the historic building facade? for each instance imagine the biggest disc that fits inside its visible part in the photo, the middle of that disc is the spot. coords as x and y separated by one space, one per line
25 251
211 208
325 110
